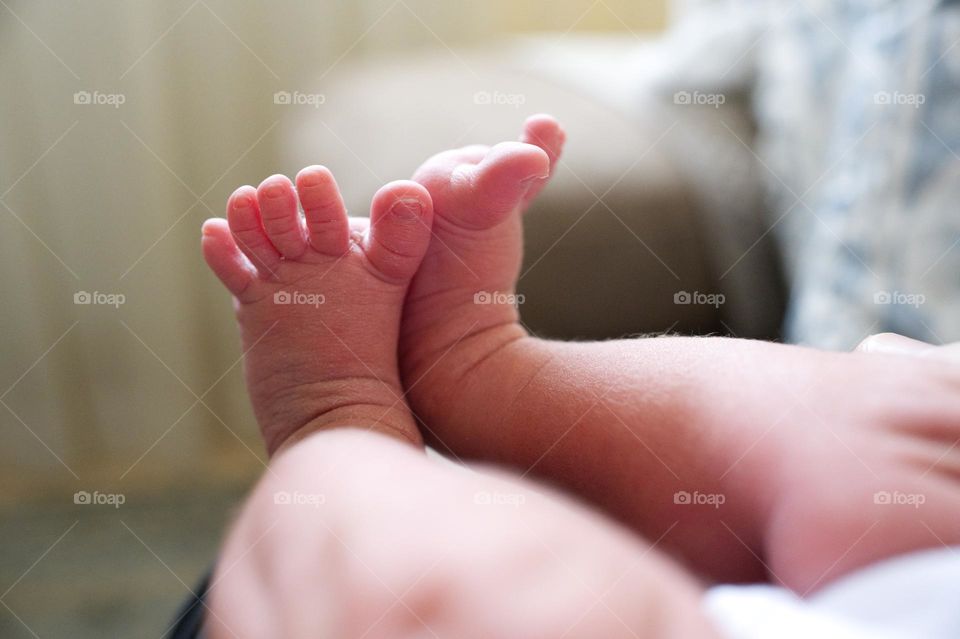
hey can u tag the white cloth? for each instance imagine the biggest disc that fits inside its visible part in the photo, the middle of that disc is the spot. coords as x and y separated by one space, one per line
915 596
858 142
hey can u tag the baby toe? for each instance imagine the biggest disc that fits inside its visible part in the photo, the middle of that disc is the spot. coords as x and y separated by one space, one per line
243 217
328 230
224 257
400 220
281 218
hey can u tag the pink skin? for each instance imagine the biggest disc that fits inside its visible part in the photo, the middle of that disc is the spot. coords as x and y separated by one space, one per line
395 545
331 354
607 421
797 441
478 241
389 543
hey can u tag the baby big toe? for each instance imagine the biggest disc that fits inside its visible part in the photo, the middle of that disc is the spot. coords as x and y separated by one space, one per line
498 184
400 219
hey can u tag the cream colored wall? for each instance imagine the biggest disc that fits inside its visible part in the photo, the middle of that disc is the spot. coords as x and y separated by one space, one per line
96 198
608 15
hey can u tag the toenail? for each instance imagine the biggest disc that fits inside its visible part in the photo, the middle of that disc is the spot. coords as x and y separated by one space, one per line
242 201
274 190
311 178
407 208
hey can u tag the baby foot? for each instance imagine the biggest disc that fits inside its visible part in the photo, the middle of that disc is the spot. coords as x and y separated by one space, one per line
318 300
461 303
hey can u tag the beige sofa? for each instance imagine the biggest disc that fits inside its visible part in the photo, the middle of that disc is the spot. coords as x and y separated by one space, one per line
652 198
